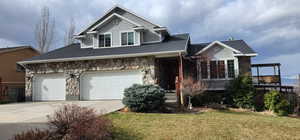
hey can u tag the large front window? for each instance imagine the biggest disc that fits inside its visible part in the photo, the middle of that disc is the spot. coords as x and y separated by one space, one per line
105 40
217 69
127 38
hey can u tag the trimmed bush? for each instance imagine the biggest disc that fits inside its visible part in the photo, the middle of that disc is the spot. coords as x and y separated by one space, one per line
240 92
208 97
274 101
144 98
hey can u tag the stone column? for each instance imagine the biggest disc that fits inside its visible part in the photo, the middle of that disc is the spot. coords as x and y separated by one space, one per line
28 85
148 70
73 86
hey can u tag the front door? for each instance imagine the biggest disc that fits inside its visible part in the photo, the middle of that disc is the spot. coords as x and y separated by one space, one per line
167 72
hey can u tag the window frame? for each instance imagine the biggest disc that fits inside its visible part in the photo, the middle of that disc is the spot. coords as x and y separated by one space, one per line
234 72
98 39
127 32
235 64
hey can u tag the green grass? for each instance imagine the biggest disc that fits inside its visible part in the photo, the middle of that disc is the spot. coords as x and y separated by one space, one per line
208 125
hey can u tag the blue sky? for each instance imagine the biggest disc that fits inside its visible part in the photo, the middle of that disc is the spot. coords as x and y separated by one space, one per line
270 27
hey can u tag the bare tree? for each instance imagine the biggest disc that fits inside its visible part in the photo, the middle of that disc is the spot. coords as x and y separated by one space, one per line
44 31
192 87
69 39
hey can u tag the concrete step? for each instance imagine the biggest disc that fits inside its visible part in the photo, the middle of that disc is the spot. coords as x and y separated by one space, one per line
171 96
171 101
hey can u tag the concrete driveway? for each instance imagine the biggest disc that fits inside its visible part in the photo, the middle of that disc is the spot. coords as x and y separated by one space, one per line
15 118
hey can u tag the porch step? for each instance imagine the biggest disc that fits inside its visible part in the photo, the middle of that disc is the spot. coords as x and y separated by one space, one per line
170 97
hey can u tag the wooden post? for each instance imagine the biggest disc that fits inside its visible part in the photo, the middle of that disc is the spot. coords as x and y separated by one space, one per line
299 81
279 76
180 79
257 70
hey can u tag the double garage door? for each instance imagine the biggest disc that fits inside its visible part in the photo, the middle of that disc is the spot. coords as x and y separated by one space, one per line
93 85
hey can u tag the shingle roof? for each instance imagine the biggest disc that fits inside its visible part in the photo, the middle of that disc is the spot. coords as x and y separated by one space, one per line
175 43
239 45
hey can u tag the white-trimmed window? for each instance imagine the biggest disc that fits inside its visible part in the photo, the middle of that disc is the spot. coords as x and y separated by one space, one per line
127 38
217 69
230 68
104 40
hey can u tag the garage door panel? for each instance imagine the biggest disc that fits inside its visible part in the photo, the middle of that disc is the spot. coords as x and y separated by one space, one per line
49 87
108 85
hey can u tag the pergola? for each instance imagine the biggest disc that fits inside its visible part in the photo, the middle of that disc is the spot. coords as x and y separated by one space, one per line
269 81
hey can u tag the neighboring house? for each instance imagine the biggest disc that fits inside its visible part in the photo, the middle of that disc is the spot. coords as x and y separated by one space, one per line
13 75
121 49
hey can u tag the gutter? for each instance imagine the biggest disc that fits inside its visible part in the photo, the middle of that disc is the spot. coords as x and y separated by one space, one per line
96 57
250 54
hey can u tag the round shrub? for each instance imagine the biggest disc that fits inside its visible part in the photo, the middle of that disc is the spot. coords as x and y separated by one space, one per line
271 99
144 98
282 108
241 93
274 101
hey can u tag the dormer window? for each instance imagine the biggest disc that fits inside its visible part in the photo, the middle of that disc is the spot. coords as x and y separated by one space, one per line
105 40
127 38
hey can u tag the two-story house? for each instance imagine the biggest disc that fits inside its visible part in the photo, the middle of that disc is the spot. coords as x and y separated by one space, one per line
12 76
122 48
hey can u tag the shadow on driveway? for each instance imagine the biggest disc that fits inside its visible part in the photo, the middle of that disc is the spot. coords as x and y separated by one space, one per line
8 130
19 117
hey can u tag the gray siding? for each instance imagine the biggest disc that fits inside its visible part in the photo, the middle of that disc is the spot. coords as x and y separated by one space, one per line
87 42
148 35
116 29
221 53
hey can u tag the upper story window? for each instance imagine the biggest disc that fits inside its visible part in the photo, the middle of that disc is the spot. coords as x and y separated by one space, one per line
105 40
127 38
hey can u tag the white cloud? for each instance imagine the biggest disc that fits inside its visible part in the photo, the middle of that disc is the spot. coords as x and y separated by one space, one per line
8 43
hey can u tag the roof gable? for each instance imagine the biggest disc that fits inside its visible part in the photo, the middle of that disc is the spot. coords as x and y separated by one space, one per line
217 43
238 45
115 11
103 22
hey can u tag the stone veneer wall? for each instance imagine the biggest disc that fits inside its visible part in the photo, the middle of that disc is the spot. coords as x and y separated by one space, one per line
73 70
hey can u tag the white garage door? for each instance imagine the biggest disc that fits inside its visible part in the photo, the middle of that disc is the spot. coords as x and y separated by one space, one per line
107 85
49 87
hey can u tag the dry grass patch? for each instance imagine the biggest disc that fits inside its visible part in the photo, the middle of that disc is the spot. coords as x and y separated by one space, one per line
205 125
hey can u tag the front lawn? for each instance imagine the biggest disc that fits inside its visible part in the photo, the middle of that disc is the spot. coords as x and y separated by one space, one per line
207 125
